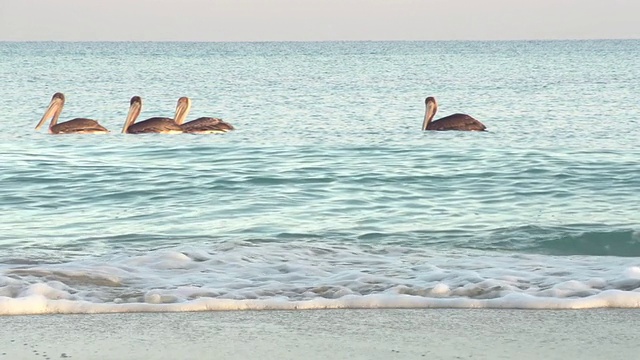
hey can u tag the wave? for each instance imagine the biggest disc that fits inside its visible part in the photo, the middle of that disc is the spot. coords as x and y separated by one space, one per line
593 240
39 304
308 275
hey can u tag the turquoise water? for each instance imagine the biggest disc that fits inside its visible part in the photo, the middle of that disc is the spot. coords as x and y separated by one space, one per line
328 194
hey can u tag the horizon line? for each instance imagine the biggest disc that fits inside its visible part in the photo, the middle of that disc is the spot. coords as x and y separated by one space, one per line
324 41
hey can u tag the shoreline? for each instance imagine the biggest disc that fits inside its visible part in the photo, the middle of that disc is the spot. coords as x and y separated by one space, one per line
322 334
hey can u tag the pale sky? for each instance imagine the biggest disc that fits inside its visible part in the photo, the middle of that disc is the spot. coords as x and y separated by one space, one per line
317 20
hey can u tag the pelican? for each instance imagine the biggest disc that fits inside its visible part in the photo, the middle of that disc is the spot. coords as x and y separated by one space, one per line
155 124
461 122
73 126
204 125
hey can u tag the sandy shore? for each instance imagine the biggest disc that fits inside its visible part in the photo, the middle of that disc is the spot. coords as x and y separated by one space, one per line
326 334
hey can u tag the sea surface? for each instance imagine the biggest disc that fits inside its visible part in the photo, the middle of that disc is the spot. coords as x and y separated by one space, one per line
327 195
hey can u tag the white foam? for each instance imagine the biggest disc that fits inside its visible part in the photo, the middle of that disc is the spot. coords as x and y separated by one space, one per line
441 289
51 290
39 304
632 272
281 276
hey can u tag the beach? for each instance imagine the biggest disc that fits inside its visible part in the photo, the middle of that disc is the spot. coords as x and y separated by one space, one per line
322 334
327 225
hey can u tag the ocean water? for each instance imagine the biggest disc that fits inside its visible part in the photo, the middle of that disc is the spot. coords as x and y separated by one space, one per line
327 195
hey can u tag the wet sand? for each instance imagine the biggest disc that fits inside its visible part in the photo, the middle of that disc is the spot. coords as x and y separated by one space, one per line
326 334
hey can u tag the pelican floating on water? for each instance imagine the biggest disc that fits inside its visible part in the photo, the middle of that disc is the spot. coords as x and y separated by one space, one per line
204 125
73 126
161 125
461 122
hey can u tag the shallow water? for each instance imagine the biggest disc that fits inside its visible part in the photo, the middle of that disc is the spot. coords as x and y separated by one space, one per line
327 194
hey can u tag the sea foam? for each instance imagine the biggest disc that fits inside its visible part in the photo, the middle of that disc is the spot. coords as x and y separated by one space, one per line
281 276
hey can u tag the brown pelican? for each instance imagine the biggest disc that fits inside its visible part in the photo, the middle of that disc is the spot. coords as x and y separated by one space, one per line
74 126
462 122
204 125
155 124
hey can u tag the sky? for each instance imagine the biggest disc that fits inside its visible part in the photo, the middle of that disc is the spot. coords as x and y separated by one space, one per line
317 20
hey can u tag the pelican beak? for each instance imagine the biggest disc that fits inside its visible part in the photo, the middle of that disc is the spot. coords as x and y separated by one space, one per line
182 110
428 114
134 111
55 106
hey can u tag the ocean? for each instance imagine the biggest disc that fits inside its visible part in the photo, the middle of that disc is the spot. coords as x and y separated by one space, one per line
327 194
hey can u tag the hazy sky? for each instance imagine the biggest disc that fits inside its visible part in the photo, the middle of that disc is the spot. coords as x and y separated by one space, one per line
267 20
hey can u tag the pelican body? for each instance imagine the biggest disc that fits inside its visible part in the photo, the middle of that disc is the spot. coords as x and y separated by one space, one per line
161 125
204 125
462 122
73 126
207 125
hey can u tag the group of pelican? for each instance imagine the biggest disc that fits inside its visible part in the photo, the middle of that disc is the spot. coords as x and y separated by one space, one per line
208 125
160 125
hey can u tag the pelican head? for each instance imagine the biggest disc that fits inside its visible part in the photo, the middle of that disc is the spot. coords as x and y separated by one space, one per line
430 112
182 110
135 107
53 110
